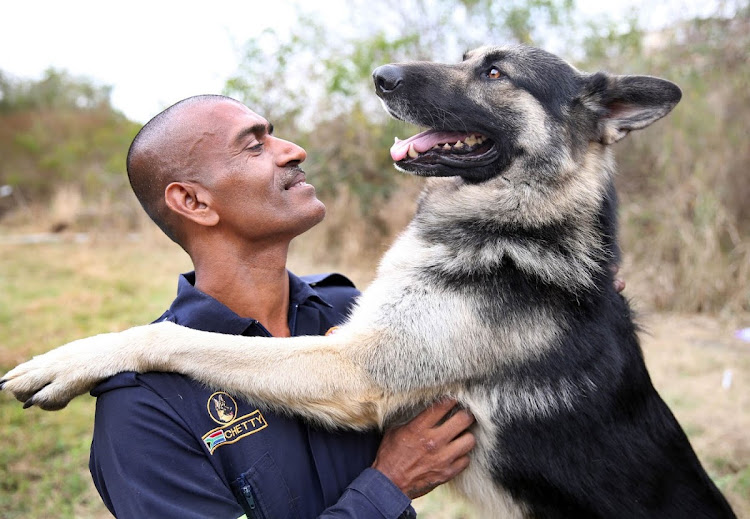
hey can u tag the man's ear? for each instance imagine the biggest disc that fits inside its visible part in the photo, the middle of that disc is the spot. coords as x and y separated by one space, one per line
191 201
627 103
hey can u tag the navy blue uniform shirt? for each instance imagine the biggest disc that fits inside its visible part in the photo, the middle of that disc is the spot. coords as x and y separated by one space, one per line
165 446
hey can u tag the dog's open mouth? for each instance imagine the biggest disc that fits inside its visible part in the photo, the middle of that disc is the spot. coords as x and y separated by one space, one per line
453 149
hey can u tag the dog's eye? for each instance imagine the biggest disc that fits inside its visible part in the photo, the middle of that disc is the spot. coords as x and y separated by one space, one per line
494 73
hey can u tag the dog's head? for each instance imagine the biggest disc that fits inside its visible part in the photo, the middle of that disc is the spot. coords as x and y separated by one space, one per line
514 112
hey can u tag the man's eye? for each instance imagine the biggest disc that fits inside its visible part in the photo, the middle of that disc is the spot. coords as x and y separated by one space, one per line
494 73
257 147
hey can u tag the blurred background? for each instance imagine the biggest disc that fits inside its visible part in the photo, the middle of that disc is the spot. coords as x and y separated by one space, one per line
78 256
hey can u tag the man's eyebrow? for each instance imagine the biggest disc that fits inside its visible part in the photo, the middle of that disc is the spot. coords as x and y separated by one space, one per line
256 129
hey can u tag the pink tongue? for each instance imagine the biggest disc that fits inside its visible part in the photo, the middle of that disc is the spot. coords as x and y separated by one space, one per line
424 141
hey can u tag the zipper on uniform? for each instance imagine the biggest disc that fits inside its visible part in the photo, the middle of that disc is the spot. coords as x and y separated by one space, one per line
252 506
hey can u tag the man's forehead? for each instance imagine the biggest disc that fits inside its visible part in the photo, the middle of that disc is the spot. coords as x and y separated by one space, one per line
224 118
226 110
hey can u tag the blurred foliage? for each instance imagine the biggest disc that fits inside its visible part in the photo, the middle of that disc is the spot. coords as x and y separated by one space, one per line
56 90
684 182
61 130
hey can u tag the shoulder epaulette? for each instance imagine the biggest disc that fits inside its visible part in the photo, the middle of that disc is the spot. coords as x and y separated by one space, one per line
330 279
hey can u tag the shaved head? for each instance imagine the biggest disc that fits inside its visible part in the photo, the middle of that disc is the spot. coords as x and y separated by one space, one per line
161 154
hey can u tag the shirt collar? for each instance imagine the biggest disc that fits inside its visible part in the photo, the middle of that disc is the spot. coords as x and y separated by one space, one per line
300 291
195 309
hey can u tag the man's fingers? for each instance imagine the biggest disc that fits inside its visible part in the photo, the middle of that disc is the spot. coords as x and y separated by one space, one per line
461 446
455 424
431 416
460 465
466 442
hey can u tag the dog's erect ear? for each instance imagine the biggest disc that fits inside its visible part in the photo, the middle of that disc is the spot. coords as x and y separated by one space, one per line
627 103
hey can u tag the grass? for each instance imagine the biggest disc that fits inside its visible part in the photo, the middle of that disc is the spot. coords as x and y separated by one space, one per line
53 293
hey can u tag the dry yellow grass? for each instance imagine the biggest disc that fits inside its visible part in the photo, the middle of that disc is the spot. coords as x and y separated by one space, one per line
692 359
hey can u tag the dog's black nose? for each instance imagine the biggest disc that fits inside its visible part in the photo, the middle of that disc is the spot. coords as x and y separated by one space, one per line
387 78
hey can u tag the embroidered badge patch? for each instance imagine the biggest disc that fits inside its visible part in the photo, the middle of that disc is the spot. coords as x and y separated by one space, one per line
234 431
214 439
221 407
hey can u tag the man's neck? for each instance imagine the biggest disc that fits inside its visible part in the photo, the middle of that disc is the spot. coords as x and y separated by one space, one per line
252 283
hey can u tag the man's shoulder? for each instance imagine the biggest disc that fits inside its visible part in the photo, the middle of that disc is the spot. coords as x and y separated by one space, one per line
131 379
119 381
157 384
335 289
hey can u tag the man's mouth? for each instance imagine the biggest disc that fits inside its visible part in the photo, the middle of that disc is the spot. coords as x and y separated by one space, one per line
455 149
296 180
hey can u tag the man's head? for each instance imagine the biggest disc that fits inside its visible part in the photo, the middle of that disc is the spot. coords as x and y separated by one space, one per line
210 164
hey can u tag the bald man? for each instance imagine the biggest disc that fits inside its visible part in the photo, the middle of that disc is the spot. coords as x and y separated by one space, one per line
215 179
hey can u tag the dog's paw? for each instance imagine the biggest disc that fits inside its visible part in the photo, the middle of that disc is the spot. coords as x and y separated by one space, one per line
46 381
23 381
53 379
27 381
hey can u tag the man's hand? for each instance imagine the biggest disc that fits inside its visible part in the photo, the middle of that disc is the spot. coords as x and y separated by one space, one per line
427 451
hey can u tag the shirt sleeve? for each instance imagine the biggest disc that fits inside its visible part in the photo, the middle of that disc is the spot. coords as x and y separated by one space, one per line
146 463
371 495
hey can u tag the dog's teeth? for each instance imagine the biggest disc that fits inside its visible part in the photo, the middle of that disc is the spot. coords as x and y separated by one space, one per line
470 140
480 139
459 145
412 152
436 146
446 146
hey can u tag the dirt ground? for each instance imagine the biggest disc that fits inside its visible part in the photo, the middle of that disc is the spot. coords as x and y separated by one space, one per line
703 372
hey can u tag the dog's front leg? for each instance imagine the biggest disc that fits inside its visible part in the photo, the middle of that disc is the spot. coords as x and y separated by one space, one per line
312 376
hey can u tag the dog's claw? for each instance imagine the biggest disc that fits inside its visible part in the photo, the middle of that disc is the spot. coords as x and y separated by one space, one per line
28 403
2 383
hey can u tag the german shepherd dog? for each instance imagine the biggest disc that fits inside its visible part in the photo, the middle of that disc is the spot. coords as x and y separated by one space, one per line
498 293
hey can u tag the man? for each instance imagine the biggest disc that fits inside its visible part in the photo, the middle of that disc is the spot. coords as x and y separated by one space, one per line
215 179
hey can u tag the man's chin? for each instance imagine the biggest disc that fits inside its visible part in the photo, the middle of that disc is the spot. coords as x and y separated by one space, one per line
320 214
312 217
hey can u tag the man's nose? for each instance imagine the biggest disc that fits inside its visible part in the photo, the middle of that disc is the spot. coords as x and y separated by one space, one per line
288 153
